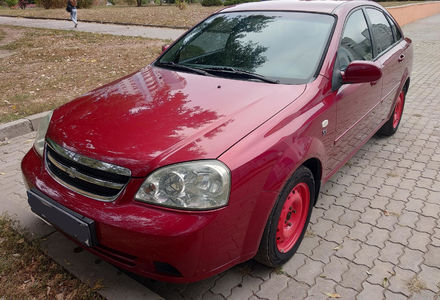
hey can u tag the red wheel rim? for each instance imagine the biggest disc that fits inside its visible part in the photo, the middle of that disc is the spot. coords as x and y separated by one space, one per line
398 110
293 217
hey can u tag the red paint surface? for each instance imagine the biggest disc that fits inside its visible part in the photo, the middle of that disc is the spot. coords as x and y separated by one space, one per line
262 132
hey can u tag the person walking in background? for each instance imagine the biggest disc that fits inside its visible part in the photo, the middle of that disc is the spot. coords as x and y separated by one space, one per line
71 7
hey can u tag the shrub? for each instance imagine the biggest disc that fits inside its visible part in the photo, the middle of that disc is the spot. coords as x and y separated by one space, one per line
11 3
51 3
84 3
181 4
211 2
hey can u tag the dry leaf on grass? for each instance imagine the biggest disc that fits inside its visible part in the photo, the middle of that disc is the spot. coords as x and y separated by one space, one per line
38 78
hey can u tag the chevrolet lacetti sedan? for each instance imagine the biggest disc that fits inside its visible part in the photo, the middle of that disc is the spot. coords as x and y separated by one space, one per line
215 153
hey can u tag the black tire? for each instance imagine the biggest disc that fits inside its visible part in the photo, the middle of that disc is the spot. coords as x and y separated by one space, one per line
268 252
390 127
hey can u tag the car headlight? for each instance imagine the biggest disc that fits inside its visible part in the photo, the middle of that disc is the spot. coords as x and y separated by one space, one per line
197 185
41 134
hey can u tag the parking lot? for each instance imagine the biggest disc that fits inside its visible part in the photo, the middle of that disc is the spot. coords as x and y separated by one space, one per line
374 234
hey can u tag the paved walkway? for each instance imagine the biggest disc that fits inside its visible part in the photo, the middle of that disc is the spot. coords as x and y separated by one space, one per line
374 234
142 31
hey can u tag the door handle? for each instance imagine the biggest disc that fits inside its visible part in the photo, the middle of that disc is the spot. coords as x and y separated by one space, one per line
401 57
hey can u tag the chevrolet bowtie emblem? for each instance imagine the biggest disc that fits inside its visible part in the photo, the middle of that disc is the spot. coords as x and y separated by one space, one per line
72 172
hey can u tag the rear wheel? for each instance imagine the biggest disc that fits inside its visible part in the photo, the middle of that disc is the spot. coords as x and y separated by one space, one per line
288 220
390 127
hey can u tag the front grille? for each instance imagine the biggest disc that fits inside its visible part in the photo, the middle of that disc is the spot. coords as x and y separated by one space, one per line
90 177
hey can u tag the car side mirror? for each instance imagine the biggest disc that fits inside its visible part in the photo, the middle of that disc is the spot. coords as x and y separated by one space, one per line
361 71
165 47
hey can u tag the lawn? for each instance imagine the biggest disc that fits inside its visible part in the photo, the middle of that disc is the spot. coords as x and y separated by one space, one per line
42 69
27 273
166 15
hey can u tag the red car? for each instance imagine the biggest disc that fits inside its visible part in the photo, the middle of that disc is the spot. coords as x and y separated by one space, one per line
215 153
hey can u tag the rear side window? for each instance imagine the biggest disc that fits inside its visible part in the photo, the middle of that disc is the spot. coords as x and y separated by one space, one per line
396 31
356 41
381 30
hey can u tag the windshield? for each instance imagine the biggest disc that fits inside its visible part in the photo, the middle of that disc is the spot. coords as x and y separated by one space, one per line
284 47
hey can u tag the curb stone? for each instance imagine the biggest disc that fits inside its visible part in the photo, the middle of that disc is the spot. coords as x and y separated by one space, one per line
21 126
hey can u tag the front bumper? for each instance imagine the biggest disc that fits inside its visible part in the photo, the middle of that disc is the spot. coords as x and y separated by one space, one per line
159 243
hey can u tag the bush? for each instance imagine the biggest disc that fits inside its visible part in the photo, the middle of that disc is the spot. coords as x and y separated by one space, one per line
233 2
51 3
211 2
11 3
181 4
84 3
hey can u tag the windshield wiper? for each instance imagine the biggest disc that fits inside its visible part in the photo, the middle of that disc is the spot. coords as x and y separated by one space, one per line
174 65
232 70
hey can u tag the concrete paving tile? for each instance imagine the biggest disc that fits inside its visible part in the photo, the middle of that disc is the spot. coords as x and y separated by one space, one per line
419 240
432 257
335 268
377 237
324 251
354 277
382 271
391 252
366 255
394 296
310 271
292 266
224 285
348 250
271 287
321 289
249 286
294 291
411 259
346 293
399 282
371 291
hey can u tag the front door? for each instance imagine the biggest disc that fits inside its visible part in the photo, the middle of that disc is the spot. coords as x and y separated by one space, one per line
356 103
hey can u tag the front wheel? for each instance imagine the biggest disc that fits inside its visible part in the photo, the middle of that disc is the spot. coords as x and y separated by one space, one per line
390 127
288 220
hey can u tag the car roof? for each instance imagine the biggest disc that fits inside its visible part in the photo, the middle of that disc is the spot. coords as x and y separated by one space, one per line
329 6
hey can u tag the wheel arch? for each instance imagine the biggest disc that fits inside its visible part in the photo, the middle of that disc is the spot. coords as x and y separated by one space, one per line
315 166
406 85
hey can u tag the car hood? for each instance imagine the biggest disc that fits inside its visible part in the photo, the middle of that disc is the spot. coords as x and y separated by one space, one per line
156 117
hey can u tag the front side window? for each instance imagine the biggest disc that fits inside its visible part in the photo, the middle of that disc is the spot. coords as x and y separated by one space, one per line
286 47
355 42
380 29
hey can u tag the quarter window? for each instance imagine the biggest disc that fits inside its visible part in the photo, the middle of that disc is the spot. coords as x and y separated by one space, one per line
356 41
381 30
